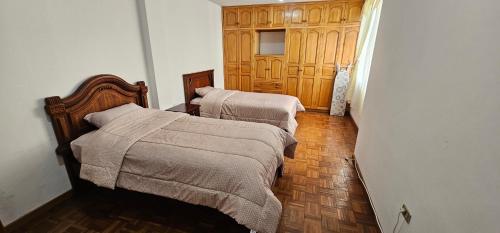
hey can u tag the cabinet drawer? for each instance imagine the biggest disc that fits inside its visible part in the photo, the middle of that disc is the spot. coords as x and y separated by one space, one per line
268 86
268 91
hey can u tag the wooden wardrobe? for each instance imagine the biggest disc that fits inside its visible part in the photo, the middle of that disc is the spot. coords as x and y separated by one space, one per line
318 35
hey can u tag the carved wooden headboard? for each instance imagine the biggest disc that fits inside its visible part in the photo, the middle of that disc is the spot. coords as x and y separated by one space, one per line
97 93
196 80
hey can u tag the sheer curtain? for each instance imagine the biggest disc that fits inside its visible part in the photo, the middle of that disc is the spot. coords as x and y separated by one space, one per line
365 45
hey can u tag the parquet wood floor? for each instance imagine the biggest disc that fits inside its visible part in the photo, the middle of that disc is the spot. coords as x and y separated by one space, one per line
320 193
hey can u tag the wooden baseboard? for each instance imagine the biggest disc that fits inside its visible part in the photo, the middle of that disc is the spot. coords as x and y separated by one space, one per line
37 212
348 115
317 110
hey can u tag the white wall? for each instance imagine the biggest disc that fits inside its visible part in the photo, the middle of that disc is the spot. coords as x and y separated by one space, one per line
47 48
430 129
186 37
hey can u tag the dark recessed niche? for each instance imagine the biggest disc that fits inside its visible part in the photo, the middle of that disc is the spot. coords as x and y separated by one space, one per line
271 42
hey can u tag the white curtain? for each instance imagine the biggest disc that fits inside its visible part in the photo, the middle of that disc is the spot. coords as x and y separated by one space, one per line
365 45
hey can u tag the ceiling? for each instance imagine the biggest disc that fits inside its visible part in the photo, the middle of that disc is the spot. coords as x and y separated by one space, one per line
252 2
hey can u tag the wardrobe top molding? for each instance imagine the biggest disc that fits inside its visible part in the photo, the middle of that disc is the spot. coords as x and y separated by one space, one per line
291 3
291 15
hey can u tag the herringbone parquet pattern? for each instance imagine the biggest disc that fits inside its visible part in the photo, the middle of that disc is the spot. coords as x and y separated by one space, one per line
319 191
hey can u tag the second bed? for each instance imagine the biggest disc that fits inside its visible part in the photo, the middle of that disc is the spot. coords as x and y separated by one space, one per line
274 109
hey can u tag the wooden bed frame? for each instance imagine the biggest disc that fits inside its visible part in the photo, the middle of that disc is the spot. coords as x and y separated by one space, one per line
97 93
196 80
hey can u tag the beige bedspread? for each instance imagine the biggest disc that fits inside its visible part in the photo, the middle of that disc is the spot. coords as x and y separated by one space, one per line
227 165
274 109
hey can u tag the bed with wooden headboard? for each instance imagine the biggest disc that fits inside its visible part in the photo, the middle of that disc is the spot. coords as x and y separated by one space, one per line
210 157
196 80
97 93
275 109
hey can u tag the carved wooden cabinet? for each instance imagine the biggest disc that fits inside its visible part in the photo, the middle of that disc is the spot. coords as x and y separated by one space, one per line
296 14
263 17
238 56
319 35
268 74
278 16
245 17
231 59
314 14
352 12
230 18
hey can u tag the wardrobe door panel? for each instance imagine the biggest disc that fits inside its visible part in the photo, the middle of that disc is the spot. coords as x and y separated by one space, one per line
260 69
294 53
246 82
331 43
231 77
231 46
334 13
295 41
276 69
245 17
231 59
325 94
306 88
349 45
262 17
312 46
278 16
230 18
324 79
292 84
246 46
353 12
314 14
246 51
296 15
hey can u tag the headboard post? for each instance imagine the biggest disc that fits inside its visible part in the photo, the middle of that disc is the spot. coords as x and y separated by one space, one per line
144 93
57 112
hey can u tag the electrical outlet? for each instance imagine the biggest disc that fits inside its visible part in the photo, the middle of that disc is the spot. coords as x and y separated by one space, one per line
406 213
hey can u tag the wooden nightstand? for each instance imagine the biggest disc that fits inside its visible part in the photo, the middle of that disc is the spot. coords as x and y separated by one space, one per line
190 109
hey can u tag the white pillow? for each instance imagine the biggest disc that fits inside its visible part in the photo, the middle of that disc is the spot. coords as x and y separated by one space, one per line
196 101
99 119
202 91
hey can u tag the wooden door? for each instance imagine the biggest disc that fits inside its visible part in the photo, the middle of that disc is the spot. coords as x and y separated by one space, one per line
276 69
294 57
231 59
246 53
330 53
230 18
296 14
279 13
314 14
311 59
261 69
263 17
334 13
352 13
349 45
245 17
